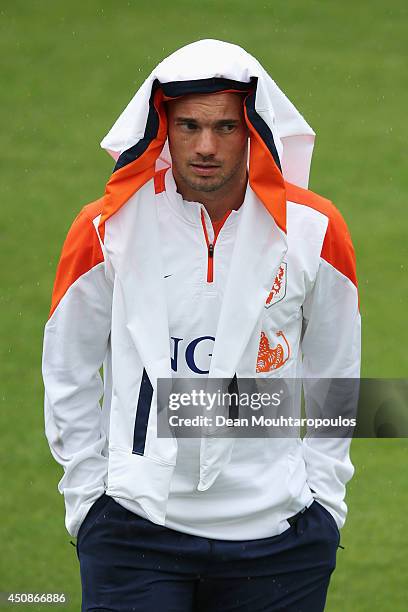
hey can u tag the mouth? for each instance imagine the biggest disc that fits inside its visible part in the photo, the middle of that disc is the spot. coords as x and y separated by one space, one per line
204 169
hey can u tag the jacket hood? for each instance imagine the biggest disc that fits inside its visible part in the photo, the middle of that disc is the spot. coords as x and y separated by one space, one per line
281 141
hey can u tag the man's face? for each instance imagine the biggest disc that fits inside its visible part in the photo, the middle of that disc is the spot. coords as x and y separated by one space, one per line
208 140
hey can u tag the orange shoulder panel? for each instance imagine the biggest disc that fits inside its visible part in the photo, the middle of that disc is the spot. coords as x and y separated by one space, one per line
81 252
337 247
94 208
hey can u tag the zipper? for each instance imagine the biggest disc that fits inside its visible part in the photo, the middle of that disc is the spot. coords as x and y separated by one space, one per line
211 245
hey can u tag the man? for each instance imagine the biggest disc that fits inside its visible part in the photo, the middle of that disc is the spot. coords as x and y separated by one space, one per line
205 258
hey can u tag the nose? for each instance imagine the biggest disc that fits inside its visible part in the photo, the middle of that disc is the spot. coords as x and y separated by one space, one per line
206 143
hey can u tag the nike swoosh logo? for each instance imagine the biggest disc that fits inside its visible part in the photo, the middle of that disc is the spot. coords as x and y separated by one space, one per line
167 275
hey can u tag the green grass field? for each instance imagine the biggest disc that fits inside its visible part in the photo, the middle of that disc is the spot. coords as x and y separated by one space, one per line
68 69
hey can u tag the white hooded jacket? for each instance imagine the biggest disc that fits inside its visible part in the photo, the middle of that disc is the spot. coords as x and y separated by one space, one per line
287 302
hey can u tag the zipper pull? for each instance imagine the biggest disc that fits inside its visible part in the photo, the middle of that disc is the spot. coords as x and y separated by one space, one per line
210 250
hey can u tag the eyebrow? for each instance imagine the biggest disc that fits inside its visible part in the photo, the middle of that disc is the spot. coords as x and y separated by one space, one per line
220 123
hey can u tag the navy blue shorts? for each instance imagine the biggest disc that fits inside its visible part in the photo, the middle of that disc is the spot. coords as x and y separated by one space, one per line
129 563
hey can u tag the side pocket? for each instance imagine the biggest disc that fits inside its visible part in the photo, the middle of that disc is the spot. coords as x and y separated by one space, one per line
93 514
329 516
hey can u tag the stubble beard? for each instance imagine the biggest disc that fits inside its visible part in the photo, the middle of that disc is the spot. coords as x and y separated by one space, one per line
209 185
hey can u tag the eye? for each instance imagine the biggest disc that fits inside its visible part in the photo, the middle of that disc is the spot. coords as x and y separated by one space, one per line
227 128
188 126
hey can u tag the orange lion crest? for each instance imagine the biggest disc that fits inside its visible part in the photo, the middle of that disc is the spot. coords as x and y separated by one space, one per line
272 358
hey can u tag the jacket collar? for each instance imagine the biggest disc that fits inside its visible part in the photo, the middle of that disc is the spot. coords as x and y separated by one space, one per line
190 211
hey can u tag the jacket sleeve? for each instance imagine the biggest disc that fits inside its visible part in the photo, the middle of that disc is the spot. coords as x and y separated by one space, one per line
75 344
331 350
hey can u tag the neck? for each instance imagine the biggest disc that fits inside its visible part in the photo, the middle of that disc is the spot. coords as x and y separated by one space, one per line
216 203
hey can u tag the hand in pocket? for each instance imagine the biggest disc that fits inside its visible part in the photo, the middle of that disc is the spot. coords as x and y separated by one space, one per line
93 514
